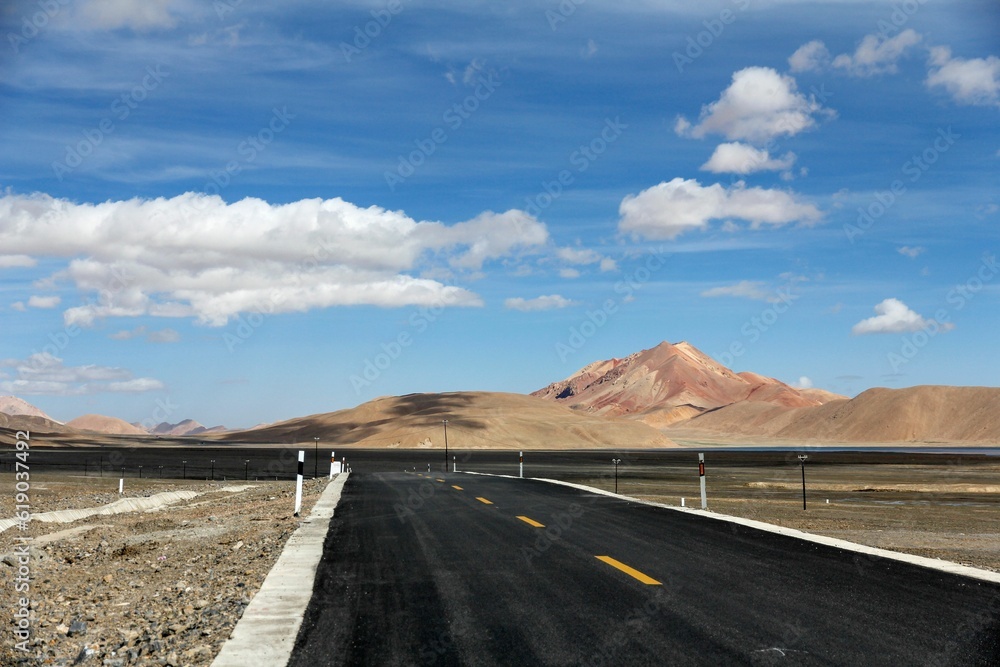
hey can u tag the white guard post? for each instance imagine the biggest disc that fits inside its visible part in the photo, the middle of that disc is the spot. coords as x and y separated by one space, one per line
298 483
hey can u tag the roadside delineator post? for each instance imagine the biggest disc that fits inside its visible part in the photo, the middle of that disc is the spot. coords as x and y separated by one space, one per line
701 476
521 464
298 483
454 464
121 486
333 464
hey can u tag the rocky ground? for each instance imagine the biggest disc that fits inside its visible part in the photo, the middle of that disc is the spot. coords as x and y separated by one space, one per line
161 587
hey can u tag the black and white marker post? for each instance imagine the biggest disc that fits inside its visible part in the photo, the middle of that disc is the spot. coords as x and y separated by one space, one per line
521 464
701 476
298 483
333 463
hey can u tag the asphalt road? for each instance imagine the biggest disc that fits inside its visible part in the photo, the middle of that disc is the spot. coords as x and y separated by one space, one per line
419 572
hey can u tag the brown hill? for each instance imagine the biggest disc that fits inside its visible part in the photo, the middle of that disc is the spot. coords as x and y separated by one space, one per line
29 423
106 425
12 405
476 420
668 384
914 414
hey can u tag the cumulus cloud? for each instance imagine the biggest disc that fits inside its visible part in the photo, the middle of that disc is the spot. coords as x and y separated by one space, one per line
759 105
197 256
567 272
810 56
877 54
974 81
911 251
739 158
667 210
43 302
18 306
585 257
745 289
44 373
150 335
894 316
548 302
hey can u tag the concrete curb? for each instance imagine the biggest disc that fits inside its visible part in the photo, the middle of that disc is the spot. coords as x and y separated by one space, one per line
265 634
932 563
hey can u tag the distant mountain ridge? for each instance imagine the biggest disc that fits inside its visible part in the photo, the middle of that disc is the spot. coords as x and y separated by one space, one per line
185 427
14 406
671 383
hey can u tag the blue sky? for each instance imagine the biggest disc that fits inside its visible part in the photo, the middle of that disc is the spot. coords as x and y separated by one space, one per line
240 212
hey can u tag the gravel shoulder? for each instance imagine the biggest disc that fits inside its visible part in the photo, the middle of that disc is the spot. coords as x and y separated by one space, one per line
159 587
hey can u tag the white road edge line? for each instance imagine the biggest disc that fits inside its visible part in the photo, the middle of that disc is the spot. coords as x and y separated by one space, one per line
923 561
265 634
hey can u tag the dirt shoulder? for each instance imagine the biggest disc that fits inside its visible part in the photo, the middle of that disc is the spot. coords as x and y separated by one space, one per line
161 587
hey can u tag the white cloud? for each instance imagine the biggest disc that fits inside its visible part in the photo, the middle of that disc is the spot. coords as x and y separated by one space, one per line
974 81
608 264
151 335
16 262
197 256
877 54
745 289
894 316
758 106
803 383
670 209
135 14
578 255
43 373
568 273
589 50
548 302
18 306
44 301
739 158
911 251
810 56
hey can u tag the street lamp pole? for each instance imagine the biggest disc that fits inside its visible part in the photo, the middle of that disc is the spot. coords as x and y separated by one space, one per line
213 470
184 470
316 457
616 462
445 422
802 462
246 470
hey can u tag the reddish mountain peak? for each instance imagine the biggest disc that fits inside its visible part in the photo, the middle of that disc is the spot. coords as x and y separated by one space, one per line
665 383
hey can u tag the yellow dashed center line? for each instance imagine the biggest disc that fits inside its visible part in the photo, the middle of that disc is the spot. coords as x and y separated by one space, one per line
483 500
531 522
628 570
440 480
456 486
